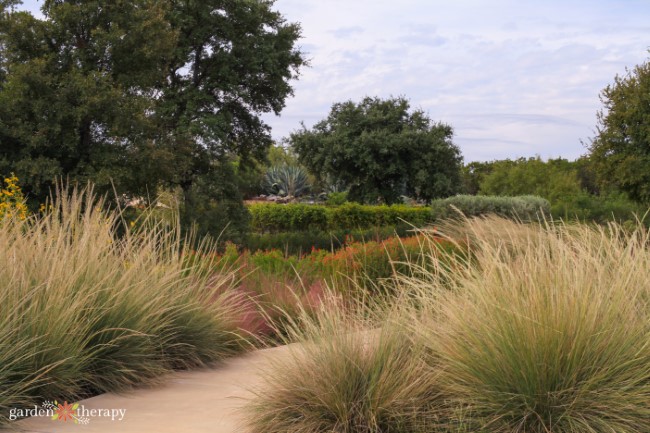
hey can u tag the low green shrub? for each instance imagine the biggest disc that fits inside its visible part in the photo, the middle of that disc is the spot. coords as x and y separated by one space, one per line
336 198
599 209
525 207
301 217
301 242
273 218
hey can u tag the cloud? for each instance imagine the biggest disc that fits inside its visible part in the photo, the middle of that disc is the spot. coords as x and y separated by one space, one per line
513 77
346 32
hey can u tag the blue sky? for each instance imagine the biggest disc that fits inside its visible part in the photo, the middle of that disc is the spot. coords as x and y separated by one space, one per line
514 78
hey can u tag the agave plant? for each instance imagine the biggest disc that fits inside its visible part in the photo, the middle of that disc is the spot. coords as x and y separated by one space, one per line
286 180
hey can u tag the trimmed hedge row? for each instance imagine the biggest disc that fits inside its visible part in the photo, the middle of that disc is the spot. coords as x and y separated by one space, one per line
298 243
275 218
524 207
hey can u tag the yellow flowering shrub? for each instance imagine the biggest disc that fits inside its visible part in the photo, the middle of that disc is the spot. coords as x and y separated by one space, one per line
12 200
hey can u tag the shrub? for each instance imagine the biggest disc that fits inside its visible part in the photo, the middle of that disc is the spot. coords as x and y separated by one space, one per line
523 207
83 311
301 217
290 217
599 209
336 198
301 242
353 215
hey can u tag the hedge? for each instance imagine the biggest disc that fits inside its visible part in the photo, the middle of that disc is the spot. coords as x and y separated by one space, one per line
298 243
524 207
273 218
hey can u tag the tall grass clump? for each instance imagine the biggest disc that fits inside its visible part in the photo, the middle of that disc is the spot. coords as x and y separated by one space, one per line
349 373
540 328
545 329
84 311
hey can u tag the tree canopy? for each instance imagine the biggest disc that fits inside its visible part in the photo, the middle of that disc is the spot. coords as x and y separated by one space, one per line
381 150
621 148
552 180
141 92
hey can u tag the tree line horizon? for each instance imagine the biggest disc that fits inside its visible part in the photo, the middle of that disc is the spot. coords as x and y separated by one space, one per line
155 95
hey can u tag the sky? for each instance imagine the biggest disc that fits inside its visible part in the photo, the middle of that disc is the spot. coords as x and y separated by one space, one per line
514 78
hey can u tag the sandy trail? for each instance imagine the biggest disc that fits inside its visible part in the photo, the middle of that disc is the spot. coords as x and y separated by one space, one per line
207 400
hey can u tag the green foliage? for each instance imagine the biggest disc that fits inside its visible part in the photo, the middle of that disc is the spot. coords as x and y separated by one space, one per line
621 148
587 175
381 151
552 180
521 207
280 155
142 93
353 215
336 198
251 170
212 206
571 187
598 208
286 181
473 174
296 217
301 242
75 96
250 177
289 217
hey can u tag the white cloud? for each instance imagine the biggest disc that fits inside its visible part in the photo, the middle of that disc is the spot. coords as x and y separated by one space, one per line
513 77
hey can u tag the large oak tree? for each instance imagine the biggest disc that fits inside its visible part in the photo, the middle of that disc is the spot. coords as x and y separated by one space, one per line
381 150
140 93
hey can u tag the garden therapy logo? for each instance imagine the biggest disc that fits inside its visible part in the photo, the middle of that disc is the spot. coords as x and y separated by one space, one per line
77 413
65 412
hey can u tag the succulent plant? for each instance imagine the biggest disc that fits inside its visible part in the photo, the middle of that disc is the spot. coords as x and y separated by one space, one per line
286 180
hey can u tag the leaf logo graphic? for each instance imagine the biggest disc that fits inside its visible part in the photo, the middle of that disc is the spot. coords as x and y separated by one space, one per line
65 411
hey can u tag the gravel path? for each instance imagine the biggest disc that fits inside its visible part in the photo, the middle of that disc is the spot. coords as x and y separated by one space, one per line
193 402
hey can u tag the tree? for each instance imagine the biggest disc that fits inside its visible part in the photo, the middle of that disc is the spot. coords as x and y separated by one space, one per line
381 151
553 180
76 88
621 148
233 61
141 93
473 174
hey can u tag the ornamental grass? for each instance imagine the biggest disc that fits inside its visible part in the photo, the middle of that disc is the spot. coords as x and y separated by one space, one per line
85 311
540 328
